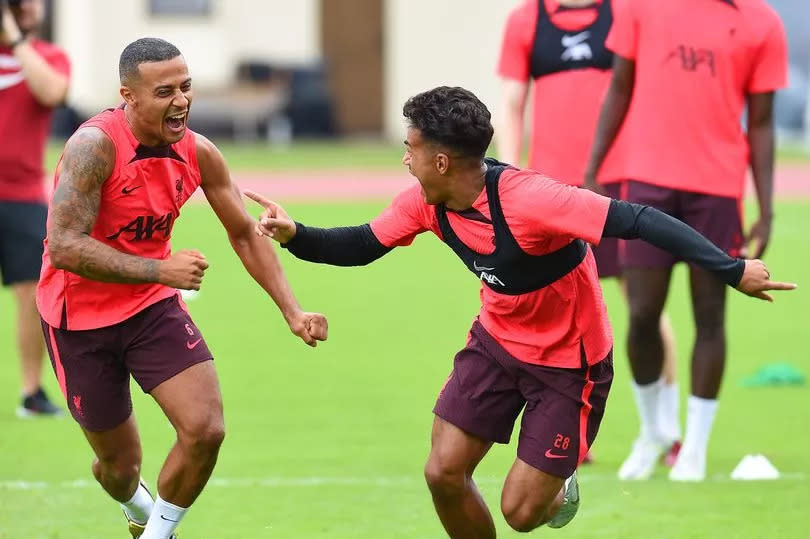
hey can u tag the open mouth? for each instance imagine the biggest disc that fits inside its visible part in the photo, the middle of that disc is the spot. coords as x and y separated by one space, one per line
177 122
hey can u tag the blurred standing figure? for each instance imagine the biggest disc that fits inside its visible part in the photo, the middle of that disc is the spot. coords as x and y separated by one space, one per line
559 46
34 79
682 74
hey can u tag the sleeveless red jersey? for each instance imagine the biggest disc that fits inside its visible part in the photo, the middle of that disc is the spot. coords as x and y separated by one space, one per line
139 203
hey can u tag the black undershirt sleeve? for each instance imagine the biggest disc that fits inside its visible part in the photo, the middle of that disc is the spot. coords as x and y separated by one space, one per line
339 246
634 221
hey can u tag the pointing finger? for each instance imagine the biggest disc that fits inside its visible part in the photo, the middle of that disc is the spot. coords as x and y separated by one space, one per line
256 197
776 285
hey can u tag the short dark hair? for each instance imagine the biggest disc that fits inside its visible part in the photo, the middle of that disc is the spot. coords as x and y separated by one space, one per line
146 49
452 117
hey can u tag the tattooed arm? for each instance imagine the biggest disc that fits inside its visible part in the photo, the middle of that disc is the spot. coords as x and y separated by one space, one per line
86 164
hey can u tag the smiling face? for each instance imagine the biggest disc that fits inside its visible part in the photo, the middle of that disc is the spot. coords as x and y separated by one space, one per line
158 100
428 164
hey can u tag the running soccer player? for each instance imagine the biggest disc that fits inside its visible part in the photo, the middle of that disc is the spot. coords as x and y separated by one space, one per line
542 342
107 293
682 75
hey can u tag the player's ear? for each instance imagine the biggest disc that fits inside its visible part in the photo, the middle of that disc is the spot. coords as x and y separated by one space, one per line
128 95
442 163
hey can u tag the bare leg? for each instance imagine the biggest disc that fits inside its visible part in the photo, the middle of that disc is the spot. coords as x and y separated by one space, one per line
530 497
670 369
646 293
709 355
708 362
30 342
193 403
117 466
454 454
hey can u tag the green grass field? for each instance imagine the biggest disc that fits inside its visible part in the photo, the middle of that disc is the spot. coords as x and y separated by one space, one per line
331 442
344 155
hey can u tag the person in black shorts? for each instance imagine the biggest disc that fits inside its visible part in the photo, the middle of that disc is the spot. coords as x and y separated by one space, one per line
35 80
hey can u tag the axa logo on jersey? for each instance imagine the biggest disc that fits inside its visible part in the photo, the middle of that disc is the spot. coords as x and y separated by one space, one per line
576 47
144 227
484 275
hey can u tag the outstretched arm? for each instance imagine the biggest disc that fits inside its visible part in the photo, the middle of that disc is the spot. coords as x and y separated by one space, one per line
339 246
257 255
631 221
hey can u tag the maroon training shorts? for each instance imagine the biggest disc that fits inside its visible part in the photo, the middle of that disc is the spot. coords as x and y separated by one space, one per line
93 366
607 252
718 218
563 407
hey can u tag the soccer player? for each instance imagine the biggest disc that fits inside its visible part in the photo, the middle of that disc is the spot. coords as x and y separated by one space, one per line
542 341
34 78
557 49
683 72
108 297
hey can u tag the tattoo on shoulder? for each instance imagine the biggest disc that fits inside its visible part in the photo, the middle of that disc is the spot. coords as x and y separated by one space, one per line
87 163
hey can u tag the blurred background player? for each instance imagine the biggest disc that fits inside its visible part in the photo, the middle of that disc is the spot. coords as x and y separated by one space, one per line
558 47
683 72
33 80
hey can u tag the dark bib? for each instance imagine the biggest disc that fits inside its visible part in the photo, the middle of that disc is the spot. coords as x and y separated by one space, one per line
509 269
556 50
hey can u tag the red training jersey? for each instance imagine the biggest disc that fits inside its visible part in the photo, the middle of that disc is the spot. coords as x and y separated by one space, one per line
696 62
24 126
565 105
140 202
550 326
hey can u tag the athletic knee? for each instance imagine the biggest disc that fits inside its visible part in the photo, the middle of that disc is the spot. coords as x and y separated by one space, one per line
203 436
644 323
710 323
443 479
522 515
117 470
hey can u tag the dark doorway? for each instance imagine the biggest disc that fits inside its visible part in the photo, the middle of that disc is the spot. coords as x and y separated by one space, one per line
352 39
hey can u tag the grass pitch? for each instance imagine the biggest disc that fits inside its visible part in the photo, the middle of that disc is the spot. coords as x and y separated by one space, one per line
331 442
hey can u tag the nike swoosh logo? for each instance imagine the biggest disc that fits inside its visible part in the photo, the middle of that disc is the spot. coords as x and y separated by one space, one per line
476 267
191 345
550 455
169 519
127 191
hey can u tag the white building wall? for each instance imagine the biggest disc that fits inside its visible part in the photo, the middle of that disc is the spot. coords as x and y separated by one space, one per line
426 43
94 32
433 43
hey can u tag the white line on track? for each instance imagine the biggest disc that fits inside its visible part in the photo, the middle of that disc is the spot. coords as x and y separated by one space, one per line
284 482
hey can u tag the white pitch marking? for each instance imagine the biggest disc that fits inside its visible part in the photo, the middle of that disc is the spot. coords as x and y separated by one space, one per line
281 482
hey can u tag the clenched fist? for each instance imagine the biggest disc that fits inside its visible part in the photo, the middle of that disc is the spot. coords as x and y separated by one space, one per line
183 270
311 327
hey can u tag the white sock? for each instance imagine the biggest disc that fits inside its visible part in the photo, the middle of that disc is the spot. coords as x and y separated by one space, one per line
164 519
699 420
140 506
647 397
669 421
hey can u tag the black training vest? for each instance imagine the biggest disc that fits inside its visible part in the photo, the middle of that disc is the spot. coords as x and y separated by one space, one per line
556 50
509 269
